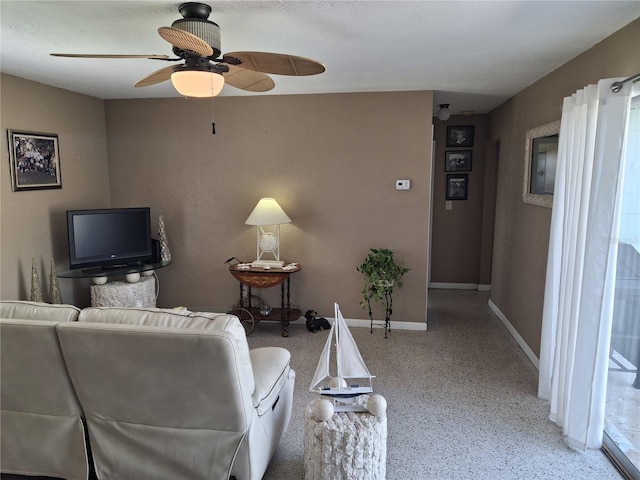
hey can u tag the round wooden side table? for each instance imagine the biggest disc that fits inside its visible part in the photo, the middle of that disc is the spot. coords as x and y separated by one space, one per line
252 277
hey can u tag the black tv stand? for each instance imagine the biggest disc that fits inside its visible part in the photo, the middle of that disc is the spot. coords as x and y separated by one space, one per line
119 266
110 270
103 269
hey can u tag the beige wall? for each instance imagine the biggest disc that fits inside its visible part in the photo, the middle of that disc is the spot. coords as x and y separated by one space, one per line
522 230
331 161
33 223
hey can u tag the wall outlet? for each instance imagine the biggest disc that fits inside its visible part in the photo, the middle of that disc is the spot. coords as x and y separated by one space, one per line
403 184
448 205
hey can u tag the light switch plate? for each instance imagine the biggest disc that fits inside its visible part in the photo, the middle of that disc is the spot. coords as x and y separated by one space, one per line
403 184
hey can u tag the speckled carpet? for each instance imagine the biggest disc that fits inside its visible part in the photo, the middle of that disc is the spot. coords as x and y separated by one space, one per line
462 399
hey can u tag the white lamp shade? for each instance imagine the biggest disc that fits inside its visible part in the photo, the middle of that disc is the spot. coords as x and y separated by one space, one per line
197 83
267 212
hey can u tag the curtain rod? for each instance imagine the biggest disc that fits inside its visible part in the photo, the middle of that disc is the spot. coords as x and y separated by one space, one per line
617 86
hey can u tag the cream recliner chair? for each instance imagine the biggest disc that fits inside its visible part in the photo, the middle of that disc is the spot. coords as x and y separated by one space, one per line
40 418
172 395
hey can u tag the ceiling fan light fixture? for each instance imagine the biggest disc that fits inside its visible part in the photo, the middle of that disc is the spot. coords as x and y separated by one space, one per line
197 83
444 113
196 41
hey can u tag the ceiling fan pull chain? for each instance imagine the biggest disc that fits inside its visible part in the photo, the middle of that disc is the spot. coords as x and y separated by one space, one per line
213 123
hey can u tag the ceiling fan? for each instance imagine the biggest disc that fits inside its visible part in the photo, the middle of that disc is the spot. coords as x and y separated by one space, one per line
204 71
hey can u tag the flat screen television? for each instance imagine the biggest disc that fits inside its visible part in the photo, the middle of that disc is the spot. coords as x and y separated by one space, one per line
109 238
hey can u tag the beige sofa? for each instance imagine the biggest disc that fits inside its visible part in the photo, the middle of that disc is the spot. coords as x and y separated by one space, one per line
170 394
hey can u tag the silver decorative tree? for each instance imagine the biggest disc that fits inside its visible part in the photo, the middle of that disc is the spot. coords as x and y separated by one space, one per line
36 288
165 254
54 288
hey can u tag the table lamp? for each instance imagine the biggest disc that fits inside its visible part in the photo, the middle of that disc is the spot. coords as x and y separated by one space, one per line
268 213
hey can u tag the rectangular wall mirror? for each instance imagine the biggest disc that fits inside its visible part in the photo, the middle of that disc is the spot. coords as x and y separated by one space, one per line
541 156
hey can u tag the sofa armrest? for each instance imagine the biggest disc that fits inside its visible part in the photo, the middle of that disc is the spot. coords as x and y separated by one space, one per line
270 372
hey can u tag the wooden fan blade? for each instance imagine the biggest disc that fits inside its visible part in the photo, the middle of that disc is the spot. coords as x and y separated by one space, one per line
277 63
185 41
92 55
158 76
247 80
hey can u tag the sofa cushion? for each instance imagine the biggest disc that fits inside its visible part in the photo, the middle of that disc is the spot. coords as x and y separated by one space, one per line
41 419
31 359
177 318
38 311
271 370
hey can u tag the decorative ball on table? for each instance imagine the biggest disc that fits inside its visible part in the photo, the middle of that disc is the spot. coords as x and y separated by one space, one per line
322 410
147 273
133 277
376 404
99 280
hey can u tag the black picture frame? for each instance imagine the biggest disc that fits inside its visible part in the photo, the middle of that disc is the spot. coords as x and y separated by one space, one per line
34 159
457 186
458 160
460 135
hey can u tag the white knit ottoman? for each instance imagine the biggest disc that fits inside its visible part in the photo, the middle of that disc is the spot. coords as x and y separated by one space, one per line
348 446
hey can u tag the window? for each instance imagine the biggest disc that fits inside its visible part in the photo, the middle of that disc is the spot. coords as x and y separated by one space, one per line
622 420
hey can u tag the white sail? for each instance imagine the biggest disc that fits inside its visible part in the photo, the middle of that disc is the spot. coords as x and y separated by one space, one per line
322 370
349 361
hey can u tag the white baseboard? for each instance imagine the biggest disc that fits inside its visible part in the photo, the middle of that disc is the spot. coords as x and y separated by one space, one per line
395 325
514 333
454 286
461 286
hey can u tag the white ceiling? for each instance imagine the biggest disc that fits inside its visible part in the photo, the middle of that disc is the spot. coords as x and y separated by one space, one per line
473 54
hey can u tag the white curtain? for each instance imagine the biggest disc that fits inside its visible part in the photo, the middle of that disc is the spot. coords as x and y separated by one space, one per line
579 289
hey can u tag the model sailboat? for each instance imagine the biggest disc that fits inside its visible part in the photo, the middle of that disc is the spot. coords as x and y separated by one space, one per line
345 387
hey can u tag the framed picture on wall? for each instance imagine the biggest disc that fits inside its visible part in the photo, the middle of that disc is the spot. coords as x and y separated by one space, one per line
457 161
34 159
460 135
457 186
